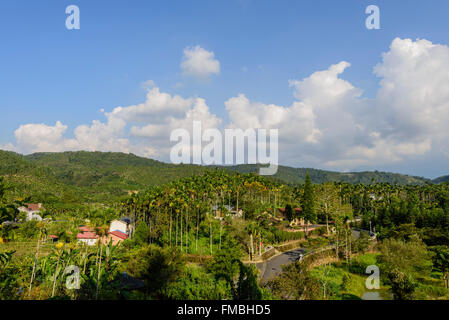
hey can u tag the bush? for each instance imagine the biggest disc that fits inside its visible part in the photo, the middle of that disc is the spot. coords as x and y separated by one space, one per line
283 236
362 243
360 263
320 231
199 259
158 267
317 242
28 230
197 284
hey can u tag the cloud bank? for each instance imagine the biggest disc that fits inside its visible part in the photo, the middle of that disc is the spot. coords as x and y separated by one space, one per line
329 125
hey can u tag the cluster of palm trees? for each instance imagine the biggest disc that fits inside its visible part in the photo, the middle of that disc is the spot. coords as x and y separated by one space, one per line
176 210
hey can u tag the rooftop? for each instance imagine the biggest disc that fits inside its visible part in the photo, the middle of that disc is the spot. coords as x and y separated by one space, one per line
119 234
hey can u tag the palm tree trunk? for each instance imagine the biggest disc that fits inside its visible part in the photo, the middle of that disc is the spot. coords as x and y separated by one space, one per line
33 273
336 244
210 236
221 228
99 270
187 231
96 257
197 226
180 218
170 229
251 246
149 220
346 242
237 206
85 260
54 278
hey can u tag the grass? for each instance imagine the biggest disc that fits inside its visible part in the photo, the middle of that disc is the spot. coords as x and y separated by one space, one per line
348 283
26 248
340 283
343 282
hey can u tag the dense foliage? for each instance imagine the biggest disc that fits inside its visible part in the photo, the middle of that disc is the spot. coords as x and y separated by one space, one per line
198 230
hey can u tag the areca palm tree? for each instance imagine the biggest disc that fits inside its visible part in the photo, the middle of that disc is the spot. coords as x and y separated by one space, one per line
100 231
42 234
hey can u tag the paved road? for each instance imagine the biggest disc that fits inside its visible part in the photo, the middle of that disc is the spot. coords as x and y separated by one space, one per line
272 267
356 233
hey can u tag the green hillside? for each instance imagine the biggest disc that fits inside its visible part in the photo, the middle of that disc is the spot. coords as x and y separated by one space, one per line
108 170
27 178
441 179
79 177
297 176
99 177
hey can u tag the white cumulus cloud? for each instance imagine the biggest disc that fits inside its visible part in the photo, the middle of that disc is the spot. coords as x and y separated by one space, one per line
199 62
329 125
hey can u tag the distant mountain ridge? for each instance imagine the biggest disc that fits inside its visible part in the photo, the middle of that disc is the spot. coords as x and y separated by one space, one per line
441 179
95 176
292 175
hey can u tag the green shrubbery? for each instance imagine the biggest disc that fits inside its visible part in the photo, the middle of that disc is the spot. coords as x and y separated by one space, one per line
360 263
280 236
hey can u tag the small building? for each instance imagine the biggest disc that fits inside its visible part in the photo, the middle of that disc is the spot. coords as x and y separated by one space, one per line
32 211
229 211
116 237
86 229
124 225
118 225
89 238
295 221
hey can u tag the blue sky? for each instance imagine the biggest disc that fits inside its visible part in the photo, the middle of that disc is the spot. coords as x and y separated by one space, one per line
50 74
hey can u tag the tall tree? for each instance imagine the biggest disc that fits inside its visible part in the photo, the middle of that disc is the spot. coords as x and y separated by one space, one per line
329 201
289 212
440 259
308 203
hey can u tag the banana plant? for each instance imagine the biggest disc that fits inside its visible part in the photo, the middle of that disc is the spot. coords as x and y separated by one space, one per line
5 257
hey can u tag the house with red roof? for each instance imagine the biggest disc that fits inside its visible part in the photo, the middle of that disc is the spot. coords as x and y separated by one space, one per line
87 236
32 211
119 231
86 229
116 237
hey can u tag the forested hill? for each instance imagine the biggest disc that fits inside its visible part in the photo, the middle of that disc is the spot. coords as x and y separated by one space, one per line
73 177
441 179
297 176
110 169
98 176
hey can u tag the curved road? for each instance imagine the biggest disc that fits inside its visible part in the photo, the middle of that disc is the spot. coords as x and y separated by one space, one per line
272 268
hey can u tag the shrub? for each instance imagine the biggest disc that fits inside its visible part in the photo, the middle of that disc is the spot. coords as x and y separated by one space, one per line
360 263
283 236
320 231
